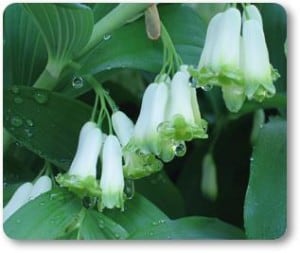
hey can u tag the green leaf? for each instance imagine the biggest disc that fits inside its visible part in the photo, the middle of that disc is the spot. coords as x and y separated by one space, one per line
138 214
129 46
65 28
101 9
265 203
24 52
45 122
189 228
160 190
96 226
46 217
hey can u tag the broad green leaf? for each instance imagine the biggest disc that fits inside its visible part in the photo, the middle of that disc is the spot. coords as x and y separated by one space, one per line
24 52
265 203
46 217
189 228
65 29
101 9
160 190
96 226
138 214
45 122
129 46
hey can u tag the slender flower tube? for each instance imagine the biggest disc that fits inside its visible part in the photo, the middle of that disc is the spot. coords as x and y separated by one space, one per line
81 177
255 62
20 198
137 164
42 185
183 120
220 60
145 136
112 181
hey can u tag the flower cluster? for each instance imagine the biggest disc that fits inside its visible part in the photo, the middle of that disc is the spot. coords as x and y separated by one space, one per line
235 57
25 193
169 116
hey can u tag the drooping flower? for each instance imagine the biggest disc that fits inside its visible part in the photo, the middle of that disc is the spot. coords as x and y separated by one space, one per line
183 120
42 185
258 72
145 135
220 59
137 164
20 198
81 177
112 181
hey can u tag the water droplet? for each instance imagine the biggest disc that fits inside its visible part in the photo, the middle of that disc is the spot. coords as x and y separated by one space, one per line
77 82
29 122
151 233
207 87
18 221
169 237
28 132
154 223
42 203
15 89
53 196
194 83
101 224
129 188
161 221
179 149
16 121
18 100
40 97
89 202
107 36
117 236
251 159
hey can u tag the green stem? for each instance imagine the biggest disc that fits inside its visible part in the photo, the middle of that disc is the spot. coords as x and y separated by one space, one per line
113 20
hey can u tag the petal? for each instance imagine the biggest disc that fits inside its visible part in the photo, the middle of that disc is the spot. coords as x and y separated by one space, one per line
123 127
42 185
20 198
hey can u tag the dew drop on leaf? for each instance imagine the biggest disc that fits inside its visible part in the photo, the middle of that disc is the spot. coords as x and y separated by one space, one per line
29 122
15 89
107 36
40 97
18 100
16 121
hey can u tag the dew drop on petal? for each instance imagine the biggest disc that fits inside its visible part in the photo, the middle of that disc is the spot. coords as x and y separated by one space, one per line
179 149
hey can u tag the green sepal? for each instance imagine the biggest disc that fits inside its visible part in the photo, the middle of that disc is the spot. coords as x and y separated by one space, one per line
82 187
178 129
112 199
139 164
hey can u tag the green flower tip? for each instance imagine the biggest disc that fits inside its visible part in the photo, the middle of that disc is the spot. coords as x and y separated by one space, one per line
82 187
112 199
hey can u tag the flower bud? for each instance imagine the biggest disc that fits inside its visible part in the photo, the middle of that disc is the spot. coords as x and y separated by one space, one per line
112 181
123 127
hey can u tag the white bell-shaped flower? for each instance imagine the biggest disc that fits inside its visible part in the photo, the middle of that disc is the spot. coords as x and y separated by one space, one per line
123 127
183 120
112 181
145 135
220 60
137 164
20 198
42 185
89 146
81 177
255 62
